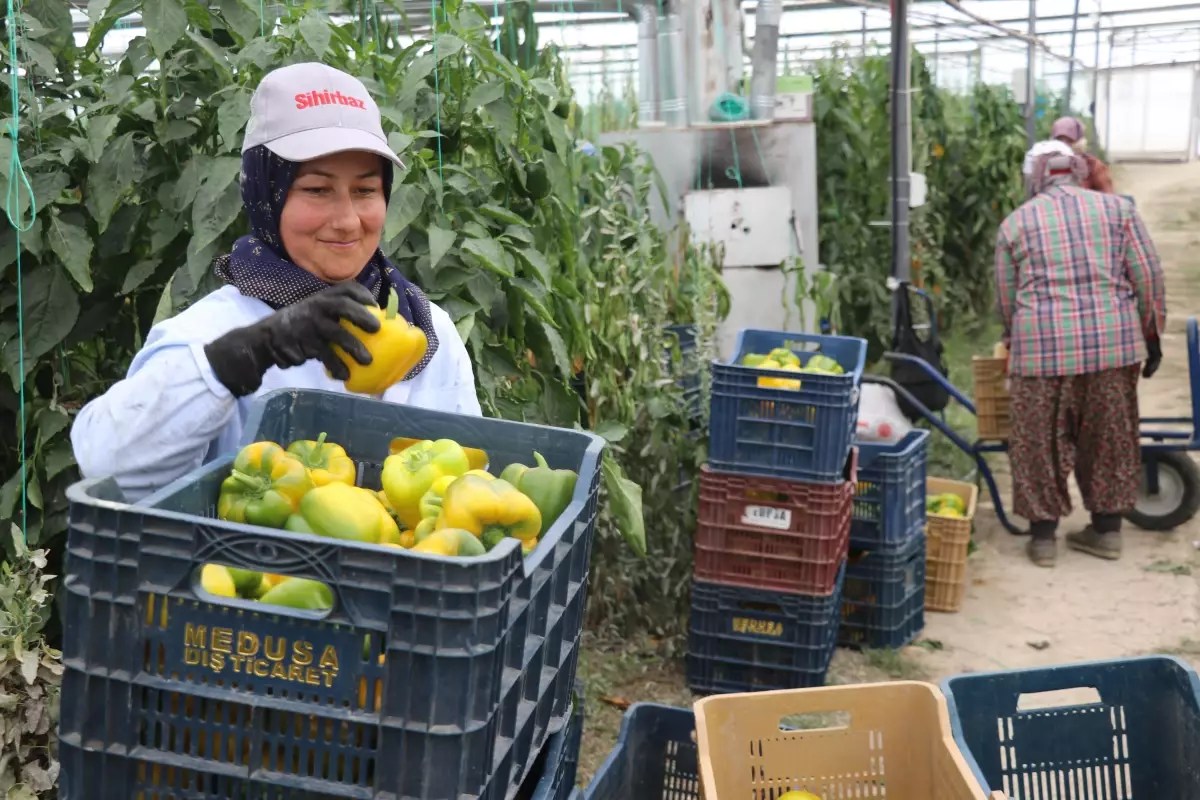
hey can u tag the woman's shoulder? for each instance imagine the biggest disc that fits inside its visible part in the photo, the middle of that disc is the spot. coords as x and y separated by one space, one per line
209 317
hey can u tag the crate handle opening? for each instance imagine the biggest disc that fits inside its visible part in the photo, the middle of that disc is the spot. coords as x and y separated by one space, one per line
815 721
1059 698
222 584
750 605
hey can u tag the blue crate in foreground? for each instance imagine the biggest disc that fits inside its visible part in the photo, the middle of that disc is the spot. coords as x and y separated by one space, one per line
802 434
559 762
883 601
746 640
1139 739
655 757
429 678
889 500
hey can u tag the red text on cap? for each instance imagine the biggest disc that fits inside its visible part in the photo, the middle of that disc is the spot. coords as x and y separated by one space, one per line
327 98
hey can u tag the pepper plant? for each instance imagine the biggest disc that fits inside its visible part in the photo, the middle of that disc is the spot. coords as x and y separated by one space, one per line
544 259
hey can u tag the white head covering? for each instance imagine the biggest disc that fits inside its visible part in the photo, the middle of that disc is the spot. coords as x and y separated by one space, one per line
1049 147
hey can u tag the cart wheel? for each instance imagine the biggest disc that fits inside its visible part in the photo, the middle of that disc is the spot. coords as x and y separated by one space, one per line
1178 496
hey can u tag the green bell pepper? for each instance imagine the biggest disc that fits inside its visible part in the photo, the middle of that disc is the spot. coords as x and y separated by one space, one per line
264 487
549 489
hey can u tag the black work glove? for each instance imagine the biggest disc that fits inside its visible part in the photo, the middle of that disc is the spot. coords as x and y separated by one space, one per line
293 335
1153 359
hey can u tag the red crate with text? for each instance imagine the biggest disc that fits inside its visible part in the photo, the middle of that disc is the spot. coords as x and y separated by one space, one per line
770 533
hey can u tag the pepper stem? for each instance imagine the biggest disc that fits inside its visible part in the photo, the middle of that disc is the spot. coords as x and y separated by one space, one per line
254 484
541 462
393 304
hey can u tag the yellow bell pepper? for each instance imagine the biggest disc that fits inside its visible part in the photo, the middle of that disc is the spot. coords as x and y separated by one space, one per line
451 542
343 512
395 349
431 501
326 462
779 383
408 475
389 531
407 539
489 509
478 459
424 528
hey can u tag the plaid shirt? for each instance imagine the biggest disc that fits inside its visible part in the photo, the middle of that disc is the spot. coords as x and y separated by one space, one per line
1079 284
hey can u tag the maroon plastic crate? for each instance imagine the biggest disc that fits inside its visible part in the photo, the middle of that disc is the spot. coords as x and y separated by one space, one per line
769 533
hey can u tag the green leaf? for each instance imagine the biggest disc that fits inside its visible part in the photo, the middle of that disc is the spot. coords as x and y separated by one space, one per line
163 231
33 489
464 326
99 131
545 87
51 307
59 457
625 504
558 348
407 201
9 493
41 57
109 180
198 262
138 274
50 423
166 306
488 253
218 203
399 142
483 94
244 22
232 117
73 246
95 10
611 432
48 187
501 214
215 54
165 21
538 263
440 241
314 29
55 17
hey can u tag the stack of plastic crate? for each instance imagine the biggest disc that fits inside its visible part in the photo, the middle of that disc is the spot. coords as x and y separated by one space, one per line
774 518
883 604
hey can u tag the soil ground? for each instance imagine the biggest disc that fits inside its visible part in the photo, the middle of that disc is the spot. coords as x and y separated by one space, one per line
1014 614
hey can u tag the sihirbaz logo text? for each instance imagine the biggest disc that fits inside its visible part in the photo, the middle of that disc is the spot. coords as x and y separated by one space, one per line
312 99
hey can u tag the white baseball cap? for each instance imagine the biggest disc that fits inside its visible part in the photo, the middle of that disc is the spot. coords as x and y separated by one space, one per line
305 111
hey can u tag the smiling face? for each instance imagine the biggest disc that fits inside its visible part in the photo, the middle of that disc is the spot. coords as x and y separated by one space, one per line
333 215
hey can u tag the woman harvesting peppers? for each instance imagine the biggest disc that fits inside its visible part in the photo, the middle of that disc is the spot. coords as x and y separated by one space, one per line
310 301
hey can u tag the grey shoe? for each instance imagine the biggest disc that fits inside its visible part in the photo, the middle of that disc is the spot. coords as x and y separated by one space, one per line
1092 542
1042 552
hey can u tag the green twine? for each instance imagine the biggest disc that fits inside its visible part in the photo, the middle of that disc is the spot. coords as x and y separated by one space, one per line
262 18
437 92
729 108
12 208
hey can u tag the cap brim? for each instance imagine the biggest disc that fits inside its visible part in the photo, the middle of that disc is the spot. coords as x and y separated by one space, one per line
321 142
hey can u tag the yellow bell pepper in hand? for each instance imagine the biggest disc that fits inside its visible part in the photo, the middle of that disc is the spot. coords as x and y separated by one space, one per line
326 462
395 349
408 475
489 509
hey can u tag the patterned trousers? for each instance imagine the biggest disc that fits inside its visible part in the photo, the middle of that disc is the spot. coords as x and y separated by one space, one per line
1086 424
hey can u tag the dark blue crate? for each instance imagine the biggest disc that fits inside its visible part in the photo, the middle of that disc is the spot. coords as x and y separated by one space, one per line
802 434
742 640
655 757
689 381
480 653
889 500
883 601
560 760
1140 740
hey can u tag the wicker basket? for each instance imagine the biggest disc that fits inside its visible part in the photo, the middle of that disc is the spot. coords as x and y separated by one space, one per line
836 741
947 542
992 402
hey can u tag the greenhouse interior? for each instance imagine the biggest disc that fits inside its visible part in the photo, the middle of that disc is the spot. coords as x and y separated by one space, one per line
518 399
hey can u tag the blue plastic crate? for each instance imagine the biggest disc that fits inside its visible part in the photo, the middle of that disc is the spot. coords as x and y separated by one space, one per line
883 601
889 500
480 653
689 380
802 434
559 763
742 640
655 757
1140 740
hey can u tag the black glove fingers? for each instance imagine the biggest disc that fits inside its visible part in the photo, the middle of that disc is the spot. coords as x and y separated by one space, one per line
329 332
356 314
337 368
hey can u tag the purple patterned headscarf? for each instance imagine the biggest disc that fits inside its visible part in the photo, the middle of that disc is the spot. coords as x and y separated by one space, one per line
258 264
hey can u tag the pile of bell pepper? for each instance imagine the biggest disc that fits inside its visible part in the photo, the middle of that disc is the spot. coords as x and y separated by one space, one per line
437 497
783 359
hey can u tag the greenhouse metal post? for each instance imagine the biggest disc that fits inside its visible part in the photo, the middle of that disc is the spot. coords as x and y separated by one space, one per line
901 132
